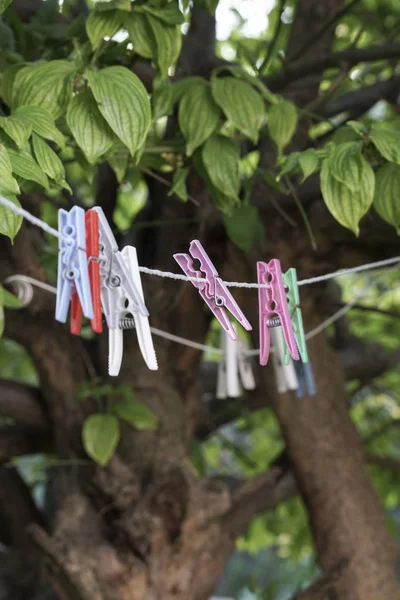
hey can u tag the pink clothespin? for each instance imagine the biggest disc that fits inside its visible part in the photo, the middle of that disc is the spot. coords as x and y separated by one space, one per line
213 291
272 302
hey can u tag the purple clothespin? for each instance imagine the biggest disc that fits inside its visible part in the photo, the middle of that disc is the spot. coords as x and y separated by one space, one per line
213 291
73 271
271 302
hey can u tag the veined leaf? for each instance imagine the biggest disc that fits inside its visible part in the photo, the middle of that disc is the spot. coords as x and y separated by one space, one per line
347 207
387 142
123 101
118 159
282 123
106 5
88 127
7 81
10 223
242 105
17 129
221 160
387 194
179 184
100 436
41 122
24 166
7 181
3 5
308 162
48 85
243 227
347 164
103 24
140 34
136 413
168 43
162 99
198 115
48 160
169 14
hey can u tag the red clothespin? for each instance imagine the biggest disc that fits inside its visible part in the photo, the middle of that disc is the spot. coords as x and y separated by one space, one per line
92 252
272 301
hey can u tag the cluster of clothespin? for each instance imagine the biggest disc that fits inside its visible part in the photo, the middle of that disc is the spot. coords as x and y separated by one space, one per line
94 277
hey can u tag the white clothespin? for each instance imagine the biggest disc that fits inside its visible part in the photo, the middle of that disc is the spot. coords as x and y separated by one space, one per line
234 371
285 375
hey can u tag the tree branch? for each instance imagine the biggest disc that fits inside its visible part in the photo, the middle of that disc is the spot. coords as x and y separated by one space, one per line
386 462
323 585
22 403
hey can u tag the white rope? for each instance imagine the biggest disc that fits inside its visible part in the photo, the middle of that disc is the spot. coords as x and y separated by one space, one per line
239 284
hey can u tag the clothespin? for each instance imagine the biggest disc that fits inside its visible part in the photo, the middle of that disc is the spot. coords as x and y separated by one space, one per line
293 298
234 371
213 291
285 374
305 377
119 294
92 251
272 301
73 273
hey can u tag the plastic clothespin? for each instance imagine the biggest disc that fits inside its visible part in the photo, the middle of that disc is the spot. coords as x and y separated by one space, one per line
272 301
213 291
285 374
305 378
234 371
119 294
293 298
73 273
92 252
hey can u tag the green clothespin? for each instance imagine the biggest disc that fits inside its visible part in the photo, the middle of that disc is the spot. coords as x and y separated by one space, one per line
293 298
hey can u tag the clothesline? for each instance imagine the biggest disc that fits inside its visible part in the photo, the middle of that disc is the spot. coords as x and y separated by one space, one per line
239 284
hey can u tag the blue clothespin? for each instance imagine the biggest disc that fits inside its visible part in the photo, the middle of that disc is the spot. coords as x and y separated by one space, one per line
73 272
305 378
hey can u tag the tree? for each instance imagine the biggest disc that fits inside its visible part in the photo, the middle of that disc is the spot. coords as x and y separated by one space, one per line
249 145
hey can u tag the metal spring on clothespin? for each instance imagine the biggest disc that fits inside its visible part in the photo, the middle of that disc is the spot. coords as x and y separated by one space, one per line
274 322
126 324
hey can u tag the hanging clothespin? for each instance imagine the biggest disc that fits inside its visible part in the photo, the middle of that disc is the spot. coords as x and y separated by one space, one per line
73 273
119 294
213 291
285 374
234 370
305 377
273 308
92 252
293 298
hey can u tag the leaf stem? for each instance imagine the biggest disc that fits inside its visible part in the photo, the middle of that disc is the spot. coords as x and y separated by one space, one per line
302 212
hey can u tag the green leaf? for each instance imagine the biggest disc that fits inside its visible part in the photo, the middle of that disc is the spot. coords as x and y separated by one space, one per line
282 123
3 5
123 101
25 166
103 24
1 321
118 158
168 43
179 184
387 142
48 85
387 194
17 129
162 99
347 207
242 105
244 227
198 115
10 223
7 181
136 413
221 160
100 437
9 300
106 5
7 81
169 14
42 123
347 164
359 128
140 34
91 132
308 162
49 161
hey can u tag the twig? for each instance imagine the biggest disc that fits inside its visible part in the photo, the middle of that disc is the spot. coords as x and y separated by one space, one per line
266 61
302 212
167 183
385 313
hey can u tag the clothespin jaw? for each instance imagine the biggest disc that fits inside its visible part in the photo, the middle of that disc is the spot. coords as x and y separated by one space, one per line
293 298
142 325
213 291
245 368
305 378
234 371
73 273
285 374
272 301
92 251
